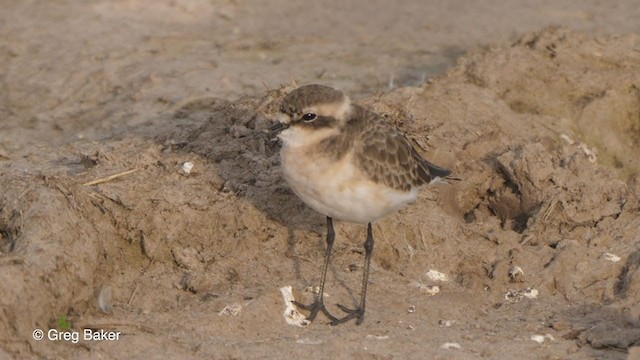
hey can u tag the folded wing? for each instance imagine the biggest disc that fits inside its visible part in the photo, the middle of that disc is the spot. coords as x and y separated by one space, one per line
387 157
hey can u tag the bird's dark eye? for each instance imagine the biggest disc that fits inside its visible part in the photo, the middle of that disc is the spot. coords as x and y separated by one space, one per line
309 117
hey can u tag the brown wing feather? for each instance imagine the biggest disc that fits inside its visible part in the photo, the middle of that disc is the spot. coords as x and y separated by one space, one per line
387 157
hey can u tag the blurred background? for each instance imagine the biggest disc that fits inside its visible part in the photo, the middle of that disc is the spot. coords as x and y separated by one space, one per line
77 69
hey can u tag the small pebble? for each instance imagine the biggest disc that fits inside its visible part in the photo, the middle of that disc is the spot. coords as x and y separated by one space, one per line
446 323
187 167
516 273
230 310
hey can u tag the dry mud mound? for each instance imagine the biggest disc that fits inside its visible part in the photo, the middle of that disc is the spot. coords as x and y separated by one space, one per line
541 236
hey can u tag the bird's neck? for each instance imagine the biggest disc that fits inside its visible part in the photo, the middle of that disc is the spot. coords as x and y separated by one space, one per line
296 136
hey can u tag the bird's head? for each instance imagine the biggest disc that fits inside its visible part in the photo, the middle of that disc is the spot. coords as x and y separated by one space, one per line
313 107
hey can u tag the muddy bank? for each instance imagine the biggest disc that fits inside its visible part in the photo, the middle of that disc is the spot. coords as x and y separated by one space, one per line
541 132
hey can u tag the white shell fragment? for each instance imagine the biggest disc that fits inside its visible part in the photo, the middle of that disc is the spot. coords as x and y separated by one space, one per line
611 257
517 295
429 289
541 338
187 167
446 323
538 338
450 345
308 341
435 275
566 138
512 295
591 155
104 299
231 310
377 337
291 315
530 293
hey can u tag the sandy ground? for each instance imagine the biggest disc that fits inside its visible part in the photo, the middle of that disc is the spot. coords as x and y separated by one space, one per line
539 242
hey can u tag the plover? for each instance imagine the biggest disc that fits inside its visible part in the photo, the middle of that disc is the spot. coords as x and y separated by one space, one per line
347 163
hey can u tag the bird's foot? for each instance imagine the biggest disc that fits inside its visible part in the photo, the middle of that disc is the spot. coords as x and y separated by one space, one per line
314 308
357 313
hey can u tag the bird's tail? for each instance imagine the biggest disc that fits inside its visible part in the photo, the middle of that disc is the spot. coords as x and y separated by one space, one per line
438 174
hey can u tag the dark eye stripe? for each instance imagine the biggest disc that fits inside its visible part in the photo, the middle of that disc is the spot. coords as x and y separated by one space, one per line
320 122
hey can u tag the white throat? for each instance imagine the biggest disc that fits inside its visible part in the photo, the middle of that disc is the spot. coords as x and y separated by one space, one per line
296 136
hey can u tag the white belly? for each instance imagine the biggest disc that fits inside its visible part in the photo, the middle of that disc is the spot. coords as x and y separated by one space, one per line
338 189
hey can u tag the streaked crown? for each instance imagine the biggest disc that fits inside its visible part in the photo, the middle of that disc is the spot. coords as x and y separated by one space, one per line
315 106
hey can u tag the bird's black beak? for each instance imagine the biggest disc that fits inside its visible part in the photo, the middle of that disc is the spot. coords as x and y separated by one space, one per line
273 131
277 128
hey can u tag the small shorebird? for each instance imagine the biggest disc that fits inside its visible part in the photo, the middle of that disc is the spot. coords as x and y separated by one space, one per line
347 163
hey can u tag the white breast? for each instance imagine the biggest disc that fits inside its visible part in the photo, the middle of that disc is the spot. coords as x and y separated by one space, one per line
337 189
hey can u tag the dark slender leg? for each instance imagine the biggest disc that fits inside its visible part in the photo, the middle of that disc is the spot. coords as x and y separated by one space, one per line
359 311
318 304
